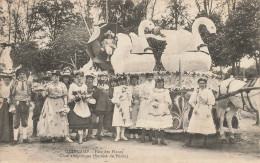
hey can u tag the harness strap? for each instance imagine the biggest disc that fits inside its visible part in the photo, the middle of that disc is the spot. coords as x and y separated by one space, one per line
229 85
253 82
250 103
243 100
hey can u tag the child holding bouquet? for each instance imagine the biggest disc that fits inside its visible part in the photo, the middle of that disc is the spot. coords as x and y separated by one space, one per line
79 117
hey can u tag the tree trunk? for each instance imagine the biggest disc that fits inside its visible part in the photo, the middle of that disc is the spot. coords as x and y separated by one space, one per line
9 23
205 6
233 69
153 8
198 5
221 72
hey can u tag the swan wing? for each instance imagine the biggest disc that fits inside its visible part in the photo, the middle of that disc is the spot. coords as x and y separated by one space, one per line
95 34
139 63
123 41
178 41
190 61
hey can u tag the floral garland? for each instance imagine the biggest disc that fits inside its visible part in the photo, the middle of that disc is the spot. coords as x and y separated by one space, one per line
159 115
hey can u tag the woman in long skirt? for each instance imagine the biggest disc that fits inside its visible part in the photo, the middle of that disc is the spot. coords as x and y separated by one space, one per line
4 108
53 122
122 98
79 117
201 121
159 116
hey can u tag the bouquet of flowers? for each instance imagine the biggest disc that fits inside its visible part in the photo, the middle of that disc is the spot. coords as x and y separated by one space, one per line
79 95
155 103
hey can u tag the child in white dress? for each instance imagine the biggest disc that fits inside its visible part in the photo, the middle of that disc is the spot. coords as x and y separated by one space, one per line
122 98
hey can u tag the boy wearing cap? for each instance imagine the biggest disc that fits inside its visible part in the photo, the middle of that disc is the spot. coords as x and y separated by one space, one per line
20 94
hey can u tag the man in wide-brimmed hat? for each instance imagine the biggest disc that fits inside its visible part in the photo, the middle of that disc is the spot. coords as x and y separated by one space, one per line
21 90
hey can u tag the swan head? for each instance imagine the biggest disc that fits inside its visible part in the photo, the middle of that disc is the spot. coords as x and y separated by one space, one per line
211 27
204 21
147 24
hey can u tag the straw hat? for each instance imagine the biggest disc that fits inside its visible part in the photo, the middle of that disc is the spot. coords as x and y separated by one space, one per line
6 74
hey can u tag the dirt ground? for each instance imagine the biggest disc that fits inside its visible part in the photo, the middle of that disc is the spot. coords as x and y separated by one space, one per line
247 149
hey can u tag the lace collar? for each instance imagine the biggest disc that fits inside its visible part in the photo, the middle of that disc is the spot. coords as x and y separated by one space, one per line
159 90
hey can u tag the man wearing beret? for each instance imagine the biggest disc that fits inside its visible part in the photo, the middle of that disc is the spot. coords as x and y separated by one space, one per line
21 90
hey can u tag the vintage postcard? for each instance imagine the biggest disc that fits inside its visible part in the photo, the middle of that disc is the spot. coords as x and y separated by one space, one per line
129 81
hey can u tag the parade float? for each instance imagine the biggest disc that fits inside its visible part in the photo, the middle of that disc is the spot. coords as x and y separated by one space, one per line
183 54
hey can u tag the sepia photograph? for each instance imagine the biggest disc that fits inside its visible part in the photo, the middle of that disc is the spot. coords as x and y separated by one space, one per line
129 81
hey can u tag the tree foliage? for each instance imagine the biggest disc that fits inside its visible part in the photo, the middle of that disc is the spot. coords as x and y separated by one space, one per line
55 16
126 14
69 48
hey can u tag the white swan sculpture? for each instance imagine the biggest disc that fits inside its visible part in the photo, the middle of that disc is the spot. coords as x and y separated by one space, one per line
140 42
124 62
6 59
185 48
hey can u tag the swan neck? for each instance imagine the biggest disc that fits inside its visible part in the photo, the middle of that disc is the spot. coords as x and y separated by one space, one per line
141 29
195 27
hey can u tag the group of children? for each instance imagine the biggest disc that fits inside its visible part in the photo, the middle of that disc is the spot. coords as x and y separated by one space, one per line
64 104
